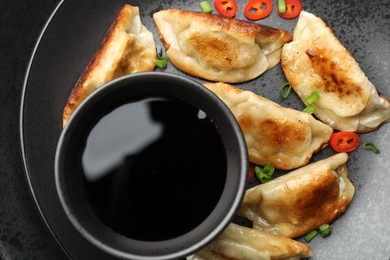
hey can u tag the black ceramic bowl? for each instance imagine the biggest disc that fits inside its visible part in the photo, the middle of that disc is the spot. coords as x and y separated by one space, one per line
196 209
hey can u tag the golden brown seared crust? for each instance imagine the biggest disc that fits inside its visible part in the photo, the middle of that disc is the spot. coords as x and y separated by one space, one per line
331 70
217 48
282 137
302 200
334 78
317 61
315 203
128 47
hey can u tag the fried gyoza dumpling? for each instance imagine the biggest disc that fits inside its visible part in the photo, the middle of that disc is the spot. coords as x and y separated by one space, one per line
217 48
238 242
302 200
127 48
317 61
283 137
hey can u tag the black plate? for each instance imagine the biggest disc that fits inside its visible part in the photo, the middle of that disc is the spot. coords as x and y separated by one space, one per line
75 32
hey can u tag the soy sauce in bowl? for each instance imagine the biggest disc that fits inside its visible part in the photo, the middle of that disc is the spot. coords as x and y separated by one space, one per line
151 166
147 165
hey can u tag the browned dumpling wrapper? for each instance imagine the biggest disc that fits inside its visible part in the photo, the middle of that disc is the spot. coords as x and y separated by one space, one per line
317 61
283 137
128 47
302 200
238 242
217 48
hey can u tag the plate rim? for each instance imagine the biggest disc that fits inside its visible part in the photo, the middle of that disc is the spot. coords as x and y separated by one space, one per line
21 127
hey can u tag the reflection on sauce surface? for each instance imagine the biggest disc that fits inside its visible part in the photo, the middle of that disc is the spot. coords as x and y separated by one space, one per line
154 168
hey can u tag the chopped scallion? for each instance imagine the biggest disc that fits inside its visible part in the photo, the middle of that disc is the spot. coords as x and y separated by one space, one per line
269 170
258 169
309 237
206 7
162 62
282 6
263 178
313 97
264 174
309 109
325 230
285 90
370 146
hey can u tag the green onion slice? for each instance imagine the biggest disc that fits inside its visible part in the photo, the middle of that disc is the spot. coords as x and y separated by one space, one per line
325 230
309 109
162 62
309 237
371 146
206 7
264 174
269 170
282 6
263 178
258 169
285 90
313 97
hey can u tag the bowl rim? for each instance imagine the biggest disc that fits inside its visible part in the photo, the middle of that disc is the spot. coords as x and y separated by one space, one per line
242 154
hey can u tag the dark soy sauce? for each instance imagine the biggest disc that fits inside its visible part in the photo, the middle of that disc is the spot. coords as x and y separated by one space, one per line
154 168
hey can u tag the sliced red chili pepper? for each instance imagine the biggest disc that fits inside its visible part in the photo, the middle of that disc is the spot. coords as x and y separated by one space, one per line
251 171
258 9
344 141
226 8
293 9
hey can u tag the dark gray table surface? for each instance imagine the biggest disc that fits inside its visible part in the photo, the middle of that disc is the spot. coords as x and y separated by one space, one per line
22 233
